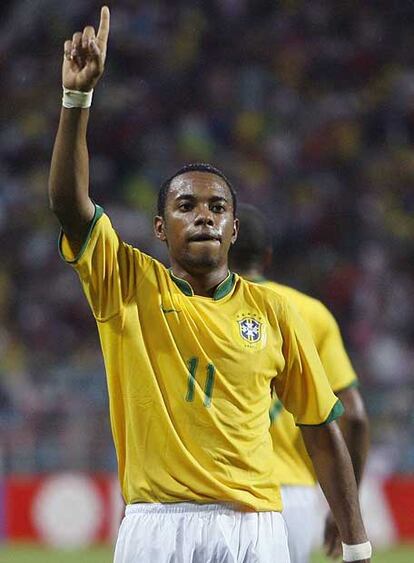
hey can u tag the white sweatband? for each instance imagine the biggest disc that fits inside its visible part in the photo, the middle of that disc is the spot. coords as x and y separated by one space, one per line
76 99
357 551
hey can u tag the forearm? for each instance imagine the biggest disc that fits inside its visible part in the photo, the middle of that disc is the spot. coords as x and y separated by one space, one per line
333 467
69 172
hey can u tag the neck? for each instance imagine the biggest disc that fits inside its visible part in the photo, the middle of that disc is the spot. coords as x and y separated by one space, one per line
203 284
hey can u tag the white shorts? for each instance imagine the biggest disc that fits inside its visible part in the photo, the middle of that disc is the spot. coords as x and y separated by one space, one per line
300 512
200 533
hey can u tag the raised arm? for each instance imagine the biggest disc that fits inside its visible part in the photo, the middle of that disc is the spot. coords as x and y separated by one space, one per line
83 65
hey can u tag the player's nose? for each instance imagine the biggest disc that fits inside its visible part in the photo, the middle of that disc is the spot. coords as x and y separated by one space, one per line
204 216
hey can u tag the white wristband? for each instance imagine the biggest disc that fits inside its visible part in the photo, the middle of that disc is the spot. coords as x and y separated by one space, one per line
76 99
357 551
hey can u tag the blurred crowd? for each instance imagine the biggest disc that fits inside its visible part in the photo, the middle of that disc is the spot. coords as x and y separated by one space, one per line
307 106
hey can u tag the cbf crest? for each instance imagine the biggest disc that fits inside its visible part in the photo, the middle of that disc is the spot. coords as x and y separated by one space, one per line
251 329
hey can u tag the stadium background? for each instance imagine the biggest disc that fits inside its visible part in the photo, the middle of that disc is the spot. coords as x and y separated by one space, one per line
308 107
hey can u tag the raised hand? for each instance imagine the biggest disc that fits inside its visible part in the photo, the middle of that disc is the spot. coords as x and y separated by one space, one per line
85 54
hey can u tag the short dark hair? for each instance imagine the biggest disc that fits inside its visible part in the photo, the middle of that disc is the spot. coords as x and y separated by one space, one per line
253 239
195 167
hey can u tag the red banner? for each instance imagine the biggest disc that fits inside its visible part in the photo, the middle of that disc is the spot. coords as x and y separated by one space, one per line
65 510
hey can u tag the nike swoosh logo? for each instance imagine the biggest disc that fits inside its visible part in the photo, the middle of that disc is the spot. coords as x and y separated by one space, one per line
166 311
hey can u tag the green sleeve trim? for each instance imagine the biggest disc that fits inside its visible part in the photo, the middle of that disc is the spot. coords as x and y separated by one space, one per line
97 215
275 411
336 412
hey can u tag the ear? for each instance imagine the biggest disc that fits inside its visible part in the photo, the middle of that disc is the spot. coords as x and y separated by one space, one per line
159 228
235 231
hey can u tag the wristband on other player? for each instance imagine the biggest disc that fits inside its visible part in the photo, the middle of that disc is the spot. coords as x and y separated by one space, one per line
76 99
356 552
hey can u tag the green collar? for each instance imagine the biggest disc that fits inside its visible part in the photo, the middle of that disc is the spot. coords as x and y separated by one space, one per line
221 290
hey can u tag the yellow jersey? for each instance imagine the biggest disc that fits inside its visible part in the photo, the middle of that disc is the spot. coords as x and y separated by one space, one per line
190 377
294 466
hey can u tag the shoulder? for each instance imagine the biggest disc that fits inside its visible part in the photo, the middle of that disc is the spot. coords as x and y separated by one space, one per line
105 241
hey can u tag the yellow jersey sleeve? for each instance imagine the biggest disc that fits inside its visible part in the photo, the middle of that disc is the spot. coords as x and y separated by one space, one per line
109 269
303 386
333 356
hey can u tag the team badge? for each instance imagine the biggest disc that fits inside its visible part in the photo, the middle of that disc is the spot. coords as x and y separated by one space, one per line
250 329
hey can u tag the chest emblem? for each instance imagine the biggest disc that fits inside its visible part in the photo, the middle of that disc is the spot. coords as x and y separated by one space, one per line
250 329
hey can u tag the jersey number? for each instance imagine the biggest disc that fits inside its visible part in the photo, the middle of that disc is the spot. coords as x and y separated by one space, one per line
208 387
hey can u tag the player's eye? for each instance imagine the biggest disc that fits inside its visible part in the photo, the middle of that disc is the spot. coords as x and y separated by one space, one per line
185 206
218 208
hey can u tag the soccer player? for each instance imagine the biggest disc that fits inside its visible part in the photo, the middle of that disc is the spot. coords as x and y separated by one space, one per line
192 354
250 257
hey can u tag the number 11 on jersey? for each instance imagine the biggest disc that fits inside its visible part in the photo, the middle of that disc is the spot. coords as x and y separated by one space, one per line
209 384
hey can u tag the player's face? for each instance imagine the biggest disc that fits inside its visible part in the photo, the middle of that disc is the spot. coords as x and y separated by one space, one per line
199 224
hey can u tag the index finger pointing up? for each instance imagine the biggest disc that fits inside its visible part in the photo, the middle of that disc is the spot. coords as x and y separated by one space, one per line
103 30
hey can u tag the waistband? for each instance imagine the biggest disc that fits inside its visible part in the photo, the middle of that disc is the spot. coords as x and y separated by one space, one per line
170 507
